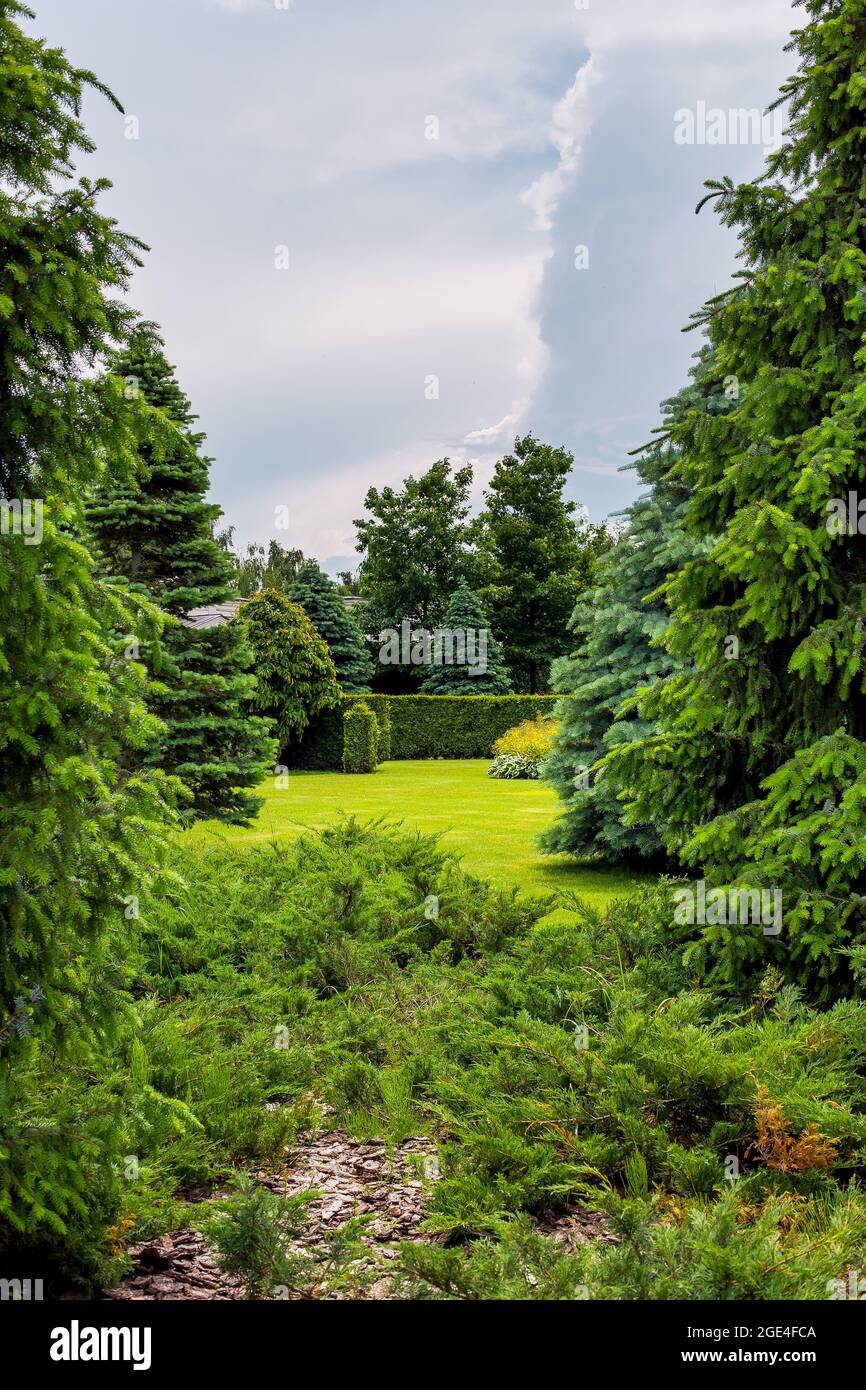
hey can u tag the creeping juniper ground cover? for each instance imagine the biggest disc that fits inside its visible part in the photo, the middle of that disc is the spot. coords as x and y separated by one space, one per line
433 805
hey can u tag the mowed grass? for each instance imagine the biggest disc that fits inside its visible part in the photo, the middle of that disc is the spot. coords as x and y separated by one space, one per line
490 825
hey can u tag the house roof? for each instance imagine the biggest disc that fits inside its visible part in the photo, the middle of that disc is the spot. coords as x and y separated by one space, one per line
212 614
216 614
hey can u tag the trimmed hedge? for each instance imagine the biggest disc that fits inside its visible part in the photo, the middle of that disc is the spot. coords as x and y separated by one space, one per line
360 738
380 705
421 726
458 726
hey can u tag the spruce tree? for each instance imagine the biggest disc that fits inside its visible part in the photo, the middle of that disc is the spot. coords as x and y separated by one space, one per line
156 532
80 832
320 599
617 625
465 615
757 770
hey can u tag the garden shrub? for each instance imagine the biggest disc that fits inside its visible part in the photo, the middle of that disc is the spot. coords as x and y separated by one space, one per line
717 1250
379 705
512 766
321 747
360 739
257 1234
295 676
532 739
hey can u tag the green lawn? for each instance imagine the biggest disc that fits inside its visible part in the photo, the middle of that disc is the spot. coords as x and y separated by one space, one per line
491 825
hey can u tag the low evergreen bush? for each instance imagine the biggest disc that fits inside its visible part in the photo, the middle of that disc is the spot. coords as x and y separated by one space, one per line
560 1060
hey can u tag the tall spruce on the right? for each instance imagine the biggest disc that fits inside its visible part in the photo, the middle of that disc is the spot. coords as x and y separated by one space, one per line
616 625
757 768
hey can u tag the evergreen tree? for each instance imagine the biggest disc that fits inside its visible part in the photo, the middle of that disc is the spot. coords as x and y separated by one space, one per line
156 532
465 615
321 601
538 558
295 676
758 768
617 626
80 834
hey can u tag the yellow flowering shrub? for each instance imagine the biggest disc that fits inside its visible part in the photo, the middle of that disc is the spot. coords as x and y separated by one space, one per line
532 739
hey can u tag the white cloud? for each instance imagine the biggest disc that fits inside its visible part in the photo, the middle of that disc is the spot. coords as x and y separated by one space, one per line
505 427
570 123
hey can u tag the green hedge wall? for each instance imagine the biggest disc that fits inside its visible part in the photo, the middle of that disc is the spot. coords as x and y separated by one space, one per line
421 726
457 726
360 739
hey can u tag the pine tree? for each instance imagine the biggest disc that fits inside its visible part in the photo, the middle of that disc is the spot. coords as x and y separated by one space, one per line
465 615
80 833
156 532
617 625
295 676
321 601
758 768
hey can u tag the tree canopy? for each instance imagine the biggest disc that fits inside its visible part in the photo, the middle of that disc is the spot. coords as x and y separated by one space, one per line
617 625
466 623
295 676
415 545
538 555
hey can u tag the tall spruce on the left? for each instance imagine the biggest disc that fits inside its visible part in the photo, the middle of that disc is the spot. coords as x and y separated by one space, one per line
156 532
81 834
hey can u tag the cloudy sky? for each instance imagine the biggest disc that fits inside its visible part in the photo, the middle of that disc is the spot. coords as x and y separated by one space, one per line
426 171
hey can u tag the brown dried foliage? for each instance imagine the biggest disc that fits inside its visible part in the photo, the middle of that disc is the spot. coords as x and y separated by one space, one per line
783 1151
